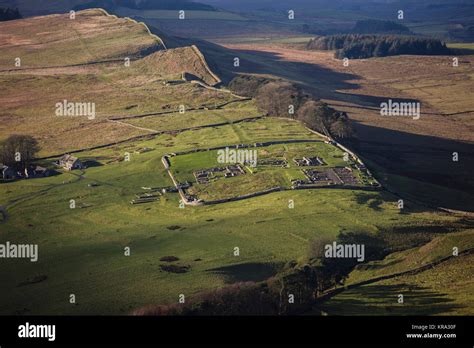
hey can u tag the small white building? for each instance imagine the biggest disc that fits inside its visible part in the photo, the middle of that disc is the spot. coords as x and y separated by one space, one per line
69 162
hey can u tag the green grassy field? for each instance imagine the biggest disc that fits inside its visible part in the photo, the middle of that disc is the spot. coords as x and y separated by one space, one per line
81 250
113 97
256 179
440 247
446 289
230 113
90 241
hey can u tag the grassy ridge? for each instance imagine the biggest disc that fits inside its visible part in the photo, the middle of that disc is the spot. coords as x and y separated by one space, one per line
440 247
443 290
57 40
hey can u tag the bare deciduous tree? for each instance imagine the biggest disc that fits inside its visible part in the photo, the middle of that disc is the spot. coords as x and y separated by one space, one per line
18 151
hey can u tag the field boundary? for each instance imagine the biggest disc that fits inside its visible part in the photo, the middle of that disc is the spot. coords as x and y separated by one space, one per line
150 135
328 137
167 164
132 125
204 62
175 131
117 60
156 37
331 293
218 107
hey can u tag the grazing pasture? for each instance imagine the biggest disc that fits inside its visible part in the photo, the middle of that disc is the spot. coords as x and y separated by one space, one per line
90 239
115 256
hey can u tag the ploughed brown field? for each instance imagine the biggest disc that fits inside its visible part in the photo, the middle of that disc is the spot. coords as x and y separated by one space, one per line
415 156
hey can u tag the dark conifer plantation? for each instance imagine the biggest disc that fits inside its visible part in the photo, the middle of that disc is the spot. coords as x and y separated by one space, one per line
357 46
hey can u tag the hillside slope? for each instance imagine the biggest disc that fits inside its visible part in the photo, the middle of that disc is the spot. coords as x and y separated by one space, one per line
58 40
432 278
179 60
82 60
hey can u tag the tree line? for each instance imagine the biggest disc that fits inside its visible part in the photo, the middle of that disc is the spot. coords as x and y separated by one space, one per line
8 14
358 46
18 151
278 98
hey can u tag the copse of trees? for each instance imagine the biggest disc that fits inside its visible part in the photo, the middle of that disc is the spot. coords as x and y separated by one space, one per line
324 119
280 99
277 98
8 14
18 151
357 46
312 114
341 127
247 85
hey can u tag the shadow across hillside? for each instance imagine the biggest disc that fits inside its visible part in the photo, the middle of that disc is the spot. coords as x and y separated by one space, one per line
221 61
370 101
322 82
383 300
424 161
376 200
310 76
427 162
246 272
